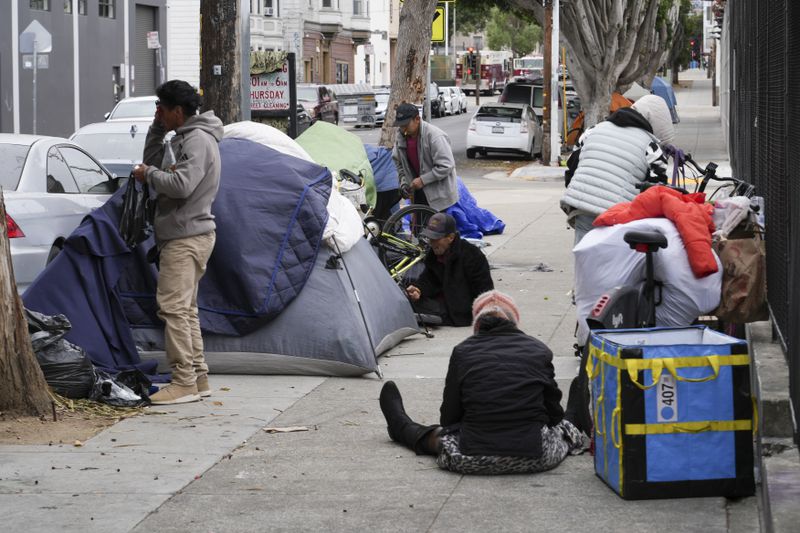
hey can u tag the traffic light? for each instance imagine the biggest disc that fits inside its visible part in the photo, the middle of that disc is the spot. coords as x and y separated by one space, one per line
471 64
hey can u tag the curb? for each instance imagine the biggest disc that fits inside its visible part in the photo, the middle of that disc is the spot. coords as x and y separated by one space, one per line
539 173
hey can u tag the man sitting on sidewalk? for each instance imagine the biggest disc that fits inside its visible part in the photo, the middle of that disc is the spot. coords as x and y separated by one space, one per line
456 272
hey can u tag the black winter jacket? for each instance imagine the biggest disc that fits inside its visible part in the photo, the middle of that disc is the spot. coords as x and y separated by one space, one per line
461 278
500 390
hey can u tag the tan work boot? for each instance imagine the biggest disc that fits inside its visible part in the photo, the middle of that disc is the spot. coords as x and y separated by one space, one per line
202 386
174 393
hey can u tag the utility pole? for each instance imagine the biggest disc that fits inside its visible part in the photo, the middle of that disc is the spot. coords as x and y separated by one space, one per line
712 65
477 76
546 82
555 137
224 72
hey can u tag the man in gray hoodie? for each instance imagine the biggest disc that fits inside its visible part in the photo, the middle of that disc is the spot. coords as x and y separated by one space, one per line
184 228
425 164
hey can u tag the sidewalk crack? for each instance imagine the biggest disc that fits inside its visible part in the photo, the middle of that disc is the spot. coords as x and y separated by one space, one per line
435 518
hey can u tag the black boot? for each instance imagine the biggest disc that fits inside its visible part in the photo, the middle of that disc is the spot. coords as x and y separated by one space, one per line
400 426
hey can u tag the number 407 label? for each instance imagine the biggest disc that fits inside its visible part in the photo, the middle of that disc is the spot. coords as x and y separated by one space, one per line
667 398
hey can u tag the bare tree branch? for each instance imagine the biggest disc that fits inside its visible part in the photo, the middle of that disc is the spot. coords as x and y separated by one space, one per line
610 44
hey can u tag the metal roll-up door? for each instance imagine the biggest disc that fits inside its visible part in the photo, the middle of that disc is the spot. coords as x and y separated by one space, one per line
145 59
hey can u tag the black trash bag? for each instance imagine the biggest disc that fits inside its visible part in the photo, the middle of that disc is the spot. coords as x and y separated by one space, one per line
108 389
66 367
137 381
138 209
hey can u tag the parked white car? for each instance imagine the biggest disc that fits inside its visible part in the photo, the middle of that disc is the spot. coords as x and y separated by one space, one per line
462 99
504 127
49 185
455 100
134 107
450 101
381 102
117 144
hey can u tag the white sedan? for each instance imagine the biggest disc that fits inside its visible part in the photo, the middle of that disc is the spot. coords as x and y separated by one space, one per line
117 144
504 127
49 184
461 98
134 107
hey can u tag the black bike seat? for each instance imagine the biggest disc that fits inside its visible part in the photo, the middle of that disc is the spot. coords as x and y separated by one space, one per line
645 241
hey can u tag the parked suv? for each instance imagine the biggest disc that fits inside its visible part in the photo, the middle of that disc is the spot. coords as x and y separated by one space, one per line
319 102
524 93
532 93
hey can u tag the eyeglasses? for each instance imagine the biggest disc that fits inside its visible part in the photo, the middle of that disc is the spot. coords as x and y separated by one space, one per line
158 103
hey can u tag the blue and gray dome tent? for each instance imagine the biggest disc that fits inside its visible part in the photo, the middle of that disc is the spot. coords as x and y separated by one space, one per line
268 304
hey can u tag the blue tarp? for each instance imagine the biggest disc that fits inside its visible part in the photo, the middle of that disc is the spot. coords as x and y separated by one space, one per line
473 222
661 87
383 167
270 213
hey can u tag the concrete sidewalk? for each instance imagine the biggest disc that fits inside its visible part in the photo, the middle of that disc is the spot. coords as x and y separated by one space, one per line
209 467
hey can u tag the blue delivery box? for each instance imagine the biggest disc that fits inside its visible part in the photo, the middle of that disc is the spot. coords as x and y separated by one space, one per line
673 412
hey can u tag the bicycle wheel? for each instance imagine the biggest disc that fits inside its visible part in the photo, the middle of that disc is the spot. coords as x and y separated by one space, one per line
399 245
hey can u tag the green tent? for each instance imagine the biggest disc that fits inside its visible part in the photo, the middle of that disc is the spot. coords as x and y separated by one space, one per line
336 148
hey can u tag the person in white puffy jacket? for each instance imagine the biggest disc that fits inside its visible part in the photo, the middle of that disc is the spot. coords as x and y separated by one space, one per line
612 157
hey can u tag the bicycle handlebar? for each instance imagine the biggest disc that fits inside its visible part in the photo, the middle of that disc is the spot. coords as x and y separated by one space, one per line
709 174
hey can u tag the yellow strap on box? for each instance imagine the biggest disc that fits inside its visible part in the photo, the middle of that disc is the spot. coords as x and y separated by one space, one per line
688 427
672 364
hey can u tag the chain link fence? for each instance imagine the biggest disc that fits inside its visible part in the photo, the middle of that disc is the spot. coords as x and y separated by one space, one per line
763 47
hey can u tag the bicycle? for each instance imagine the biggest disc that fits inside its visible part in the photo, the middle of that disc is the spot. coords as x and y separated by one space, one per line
397 239
625 307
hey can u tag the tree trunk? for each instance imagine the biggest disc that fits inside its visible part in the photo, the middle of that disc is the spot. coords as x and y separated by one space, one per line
220 44
23 389
411 61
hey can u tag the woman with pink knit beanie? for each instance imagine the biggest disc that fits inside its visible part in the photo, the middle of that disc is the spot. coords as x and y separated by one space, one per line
501 410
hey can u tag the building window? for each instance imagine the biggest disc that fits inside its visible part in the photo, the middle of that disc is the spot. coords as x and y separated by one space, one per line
106 8
82 7
357 7
41 5
270 10
342 73
327 3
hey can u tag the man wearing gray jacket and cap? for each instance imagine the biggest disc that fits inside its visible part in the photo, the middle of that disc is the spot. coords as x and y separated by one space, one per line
184 229
425 164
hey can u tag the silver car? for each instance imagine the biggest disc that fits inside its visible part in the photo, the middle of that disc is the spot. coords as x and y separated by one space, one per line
49 185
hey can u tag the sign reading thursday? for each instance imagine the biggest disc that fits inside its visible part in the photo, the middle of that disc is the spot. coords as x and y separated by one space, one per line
270 91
